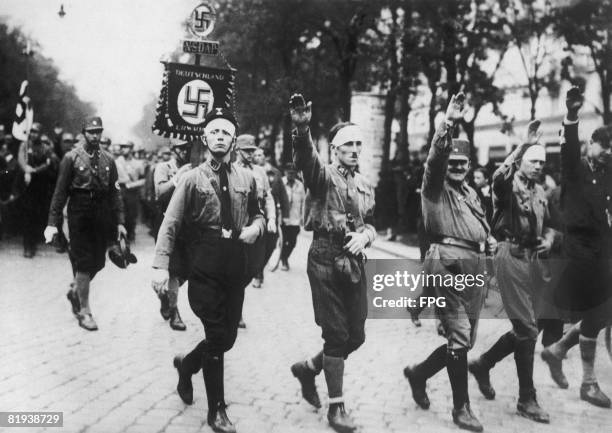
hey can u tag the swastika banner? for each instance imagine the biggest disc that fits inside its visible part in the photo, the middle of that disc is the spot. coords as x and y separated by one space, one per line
189 92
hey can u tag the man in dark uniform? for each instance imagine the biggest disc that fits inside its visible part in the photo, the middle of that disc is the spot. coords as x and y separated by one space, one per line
166 177
88 176
215 205
340 211
40 168
521 224
456 225
586 287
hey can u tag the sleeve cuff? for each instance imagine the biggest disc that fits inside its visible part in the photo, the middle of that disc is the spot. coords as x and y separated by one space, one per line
161 262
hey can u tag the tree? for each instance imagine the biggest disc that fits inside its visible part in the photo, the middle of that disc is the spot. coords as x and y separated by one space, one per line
588 23
54 101
530 25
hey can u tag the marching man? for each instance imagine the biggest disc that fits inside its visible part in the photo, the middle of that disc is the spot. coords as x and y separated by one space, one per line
340 213
457 226
215 205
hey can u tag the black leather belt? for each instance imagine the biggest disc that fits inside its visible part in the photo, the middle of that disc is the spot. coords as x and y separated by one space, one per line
478 247
88 193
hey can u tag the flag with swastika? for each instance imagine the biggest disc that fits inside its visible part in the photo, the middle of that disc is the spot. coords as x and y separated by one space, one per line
24 114
189 93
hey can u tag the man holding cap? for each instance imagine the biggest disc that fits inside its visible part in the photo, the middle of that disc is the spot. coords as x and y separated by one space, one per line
456 224
521 223
165 178
340 212
215 205
88 176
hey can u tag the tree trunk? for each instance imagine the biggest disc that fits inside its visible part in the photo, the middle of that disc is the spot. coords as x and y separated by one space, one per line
345 93
605 96
389 115
402 145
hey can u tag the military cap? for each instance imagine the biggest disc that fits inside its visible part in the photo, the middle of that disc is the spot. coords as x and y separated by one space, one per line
459 148
289 167
120 254
245 141
105 140
164 149
36 127
220 113
93 124
127 144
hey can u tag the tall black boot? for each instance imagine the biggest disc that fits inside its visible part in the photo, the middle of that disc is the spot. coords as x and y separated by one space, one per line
417 376
481 366
527 405
212 368
338 419
553 355
456 366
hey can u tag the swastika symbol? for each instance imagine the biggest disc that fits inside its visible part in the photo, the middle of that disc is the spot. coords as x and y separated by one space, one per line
194 101
201 20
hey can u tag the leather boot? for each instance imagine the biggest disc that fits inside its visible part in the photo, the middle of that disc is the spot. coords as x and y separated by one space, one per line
465 418
184 386
212 369
553 355
456 366
218 420
417 376
86 321
176 322
306 376
339 420
591 393
481 366
164 309
529 408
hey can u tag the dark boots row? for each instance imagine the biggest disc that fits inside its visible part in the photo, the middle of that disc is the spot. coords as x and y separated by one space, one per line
333 367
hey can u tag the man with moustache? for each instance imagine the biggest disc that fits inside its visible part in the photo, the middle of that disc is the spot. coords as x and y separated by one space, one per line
166 177
521 224
456 225
340 212
88 176
585 286
215 206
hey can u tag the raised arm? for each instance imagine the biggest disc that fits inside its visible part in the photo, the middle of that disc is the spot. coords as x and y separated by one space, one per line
305 155
570 148
435 165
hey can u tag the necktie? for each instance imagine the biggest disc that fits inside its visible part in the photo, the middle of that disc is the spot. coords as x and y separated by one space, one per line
226 204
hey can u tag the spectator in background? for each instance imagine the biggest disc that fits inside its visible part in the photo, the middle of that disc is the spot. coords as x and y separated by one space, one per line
291 223
105 143
39 166
482 186
130 180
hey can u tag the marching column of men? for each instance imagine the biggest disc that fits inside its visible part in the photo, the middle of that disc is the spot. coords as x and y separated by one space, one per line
214 215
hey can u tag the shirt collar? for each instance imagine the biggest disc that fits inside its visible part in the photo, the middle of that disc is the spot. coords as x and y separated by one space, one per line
345 171
215 165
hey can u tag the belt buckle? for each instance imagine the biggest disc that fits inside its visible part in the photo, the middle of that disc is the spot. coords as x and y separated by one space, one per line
226 234
481 247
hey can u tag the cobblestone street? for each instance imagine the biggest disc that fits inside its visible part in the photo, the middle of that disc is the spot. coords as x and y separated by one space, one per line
121 378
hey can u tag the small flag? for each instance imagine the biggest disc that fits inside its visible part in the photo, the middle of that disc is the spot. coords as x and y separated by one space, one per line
24 114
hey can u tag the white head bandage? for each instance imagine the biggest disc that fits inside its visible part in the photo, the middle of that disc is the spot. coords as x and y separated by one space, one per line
536 152
222 124
346 135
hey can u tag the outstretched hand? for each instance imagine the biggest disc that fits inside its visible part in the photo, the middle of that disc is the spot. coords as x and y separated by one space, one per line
301 112
533 132
574 100
456 108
